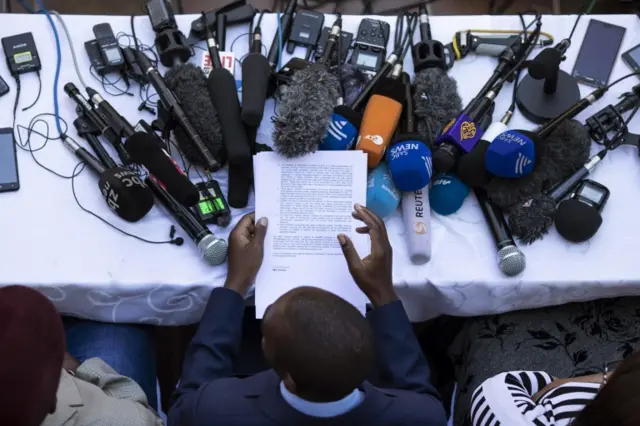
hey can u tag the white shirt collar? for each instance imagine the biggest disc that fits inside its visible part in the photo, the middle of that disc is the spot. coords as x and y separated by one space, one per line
322 409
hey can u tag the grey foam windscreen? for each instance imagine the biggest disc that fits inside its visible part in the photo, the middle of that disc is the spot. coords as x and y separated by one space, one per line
189 85
436 101
304 111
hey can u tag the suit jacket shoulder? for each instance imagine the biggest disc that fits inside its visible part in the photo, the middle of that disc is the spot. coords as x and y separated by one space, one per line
82 403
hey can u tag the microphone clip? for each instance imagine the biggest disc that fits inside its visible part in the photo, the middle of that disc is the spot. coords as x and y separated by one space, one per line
606 121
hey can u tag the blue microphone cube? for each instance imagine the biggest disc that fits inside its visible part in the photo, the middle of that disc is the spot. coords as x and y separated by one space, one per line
342 130
511 155
410 163
383 198
447 194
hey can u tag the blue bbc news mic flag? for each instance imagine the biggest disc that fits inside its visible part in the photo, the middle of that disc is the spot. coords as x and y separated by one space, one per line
511 155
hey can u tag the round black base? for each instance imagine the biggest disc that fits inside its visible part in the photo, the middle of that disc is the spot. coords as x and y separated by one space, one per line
539 107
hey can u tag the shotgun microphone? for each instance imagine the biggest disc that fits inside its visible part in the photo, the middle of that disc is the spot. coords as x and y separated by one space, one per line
255 82
286 21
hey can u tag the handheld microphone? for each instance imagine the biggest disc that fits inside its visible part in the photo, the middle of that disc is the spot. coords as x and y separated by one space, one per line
383 198
255 82
531 219
213 250
122 189
578 218
170 103
85 128
447 194
510 259
224 95
286 21
417 223
380 119
409 156
96 120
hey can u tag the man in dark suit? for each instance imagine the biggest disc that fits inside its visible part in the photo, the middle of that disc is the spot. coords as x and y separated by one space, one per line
327 359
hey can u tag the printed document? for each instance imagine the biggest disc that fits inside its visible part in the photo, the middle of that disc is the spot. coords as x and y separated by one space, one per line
309 201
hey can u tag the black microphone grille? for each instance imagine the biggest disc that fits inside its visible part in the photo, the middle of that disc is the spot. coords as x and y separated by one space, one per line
126 194
577 221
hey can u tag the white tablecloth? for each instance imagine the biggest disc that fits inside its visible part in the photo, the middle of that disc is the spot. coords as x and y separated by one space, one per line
91 271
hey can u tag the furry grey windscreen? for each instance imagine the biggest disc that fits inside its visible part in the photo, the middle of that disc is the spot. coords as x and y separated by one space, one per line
213 250
304 111
189 85
511 261
557 157
531 220
436 101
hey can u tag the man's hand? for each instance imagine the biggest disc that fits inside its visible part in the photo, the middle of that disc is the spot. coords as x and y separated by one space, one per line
246 249
70 363
373 273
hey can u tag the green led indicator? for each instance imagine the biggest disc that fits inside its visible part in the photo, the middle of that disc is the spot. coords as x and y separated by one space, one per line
206 207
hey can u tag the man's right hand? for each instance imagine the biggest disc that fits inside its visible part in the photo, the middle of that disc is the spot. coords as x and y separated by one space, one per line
373 273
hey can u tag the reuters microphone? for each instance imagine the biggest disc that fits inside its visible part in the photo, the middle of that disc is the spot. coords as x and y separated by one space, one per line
380 119
417 214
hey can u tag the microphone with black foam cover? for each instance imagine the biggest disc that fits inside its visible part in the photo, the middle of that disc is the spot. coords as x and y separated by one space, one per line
380 119
223 93
511 260
305 112
144 150
383 198
255 82
122 189
416 214
531 219
212 249
447 194
579 218
472 168
189 85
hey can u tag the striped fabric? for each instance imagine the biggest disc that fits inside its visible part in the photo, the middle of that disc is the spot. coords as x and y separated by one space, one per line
506 400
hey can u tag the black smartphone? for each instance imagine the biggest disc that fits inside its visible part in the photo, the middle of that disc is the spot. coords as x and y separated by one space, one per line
632 58
8 162
598 53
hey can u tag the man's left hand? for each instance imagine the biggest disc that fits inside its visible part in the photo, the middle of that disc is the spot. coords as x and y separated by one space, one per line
246 249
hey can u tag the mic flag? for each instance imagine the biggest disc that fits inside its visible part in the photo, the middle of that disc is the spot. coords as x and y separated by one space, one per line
472 168
510 155
410 163
447 194
125 193
255 82
380 119
462 132
383 198
342 130
144 150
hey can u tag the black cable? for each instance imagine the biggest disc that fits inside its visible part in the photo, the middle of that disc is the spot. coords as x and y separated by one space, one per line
622 79
105 82
39 92
397 39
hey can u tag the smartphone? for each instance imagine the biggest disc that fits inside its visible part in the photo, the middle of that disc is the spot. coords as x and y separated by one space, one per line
598 53
631 57
8 162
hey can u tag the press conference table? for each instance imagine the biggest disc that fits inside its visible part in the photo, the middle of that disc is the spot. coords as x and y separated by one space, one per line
90 271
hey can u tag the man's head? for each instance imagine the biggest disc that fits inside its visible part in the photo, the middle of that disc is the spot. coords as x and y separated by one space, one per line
319 344
32 348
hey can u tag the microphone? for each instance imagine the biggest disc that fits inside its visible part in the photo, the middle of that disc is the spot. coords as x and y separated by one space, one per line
255 82
383 198
417 222
286 21
532 218
471 167
145 150
122 189
380 119
511 260
171 104
447 194
97 121
409 156
86 129
213 250
188 83
224 95
510 155
578 218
